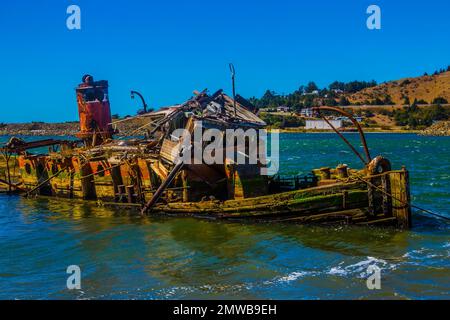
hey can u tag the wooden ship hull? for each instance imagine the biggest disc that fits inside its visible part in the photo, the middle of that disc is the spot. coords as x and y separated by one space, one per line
334 200
144 176
348 203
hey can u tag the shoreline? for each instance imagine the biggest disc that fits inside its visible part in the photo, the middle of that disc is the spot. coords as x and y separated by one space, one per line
331 131
71 128
56 134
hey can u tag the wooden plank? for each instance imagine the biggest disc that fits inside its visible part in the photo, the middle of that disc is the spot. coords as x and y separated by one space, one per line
401 209
160 170
170 150
162 187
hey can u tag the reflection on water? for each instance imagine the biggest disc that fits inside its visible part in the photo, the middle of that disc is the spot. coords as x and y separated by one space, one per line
122 255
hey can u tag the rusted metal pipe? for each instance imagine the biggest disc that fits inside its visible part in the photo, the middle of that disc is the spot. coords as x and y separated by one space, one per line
345 140
357 125
133 92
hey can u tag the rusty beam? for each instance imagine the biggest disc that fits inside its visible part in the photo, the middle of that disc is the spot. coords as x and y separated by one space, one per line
345 140
357 125
162 187
32 145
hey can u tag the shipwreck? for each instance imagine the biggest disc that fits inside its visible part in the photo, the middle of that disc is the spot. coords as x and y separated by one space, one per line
143 172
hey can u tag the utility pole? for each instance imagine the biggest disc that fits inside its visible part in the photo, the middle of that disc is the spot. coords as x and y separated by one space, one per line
233 73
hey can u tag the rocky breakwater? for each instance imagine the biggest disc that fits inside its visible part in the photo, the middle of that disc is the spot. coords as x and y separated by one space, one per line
134 126
39 129
441 128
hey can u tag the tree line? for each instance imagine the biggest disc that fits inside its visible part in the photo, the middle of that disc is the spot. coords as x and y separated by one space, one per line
311 95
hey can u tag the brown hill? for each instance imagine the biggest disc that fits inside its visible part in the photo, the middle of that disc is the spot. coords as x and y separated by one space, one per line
425 88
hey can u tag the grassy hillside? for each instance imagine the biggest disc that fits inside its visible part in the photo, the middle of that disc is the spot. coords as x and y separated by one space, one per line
425 88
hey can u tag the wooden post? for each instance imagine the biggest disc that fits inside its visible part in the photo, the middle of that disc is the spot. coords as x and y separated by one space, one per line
370 196
401 208
342 171
325 173
184 178
122 191
344 199
87 180
130 194
8 173
386 204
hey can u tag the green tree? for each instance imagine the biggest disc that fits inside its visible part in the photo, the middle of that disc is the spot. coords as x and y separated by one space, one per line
440 100
413 107
330 102
311 87
388 100
343 101
437 113
406 101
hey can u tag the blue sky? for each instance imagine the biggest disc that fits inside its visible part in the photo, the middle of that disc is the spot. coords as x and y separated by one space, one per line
167 49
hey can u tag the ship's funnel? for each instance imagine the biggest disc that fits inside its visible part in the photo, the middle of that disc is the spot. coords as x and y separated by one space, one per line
94 111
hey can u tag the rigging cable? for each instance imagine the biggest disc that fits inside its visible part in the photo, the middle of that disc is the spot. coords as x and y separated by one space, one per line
405 203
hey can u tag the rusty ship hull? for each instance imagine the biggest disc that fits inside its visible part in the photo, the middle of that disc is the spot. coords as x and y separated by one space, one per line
144 175
330 199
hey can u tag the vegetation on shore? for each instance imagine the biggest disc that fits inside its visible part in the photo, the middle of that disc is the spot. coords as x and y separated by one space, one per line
419 118
424 90
406 104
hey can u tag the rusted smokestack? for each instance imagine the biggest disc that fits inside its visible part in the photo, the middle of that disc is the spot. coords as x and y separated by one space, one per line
94 111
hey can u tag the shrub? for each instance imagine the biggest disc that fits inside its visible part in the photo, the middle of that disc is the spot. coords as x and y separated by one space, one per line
417 118
277 121
440 100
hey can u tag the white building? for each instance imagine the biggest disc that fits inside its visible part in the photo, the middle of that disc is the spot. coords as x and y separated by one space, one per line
307 112
312 93
322 125
283 109
346 119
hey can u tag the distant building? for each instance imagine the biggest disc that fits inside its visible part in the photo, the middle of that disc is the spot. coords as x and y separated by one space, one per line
357 118
307 112
312 93
322 125
283 109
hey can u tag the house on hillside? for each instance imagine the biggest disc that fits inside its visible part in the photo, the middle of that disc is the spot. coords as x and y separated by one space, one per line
283 109
346 119
312 93
319 124
307 112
